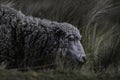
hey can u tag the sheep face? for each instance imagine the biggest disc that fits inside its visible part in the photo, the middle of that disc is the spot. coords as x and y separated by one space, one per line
75 49
72 44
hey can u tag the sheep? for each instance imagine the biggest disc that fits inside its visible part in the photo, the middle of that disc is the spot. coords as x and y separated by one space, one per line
27 41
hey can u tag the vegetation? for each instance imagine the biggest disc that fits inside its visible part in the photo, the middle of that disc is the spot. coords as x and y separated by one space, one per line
51 75
98 21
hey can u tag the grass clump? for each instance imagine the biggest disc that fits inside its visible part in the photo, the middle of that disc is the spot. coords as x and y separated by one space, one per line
45 75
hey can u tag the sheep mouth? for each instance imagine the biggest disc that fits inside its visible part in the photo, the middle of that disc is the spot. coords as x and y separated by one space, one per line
75 60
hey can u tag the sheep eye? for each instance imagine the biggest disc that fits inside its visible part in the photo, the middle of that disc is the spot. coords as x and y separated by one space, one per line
71 38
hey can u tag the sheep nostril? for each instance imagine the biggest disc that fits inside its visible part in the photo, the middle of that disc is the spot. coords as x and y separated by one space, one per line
84 59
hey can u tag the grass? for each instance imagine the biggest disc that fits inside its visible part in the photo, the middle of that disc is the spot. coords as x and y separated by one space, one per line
99 43
45 75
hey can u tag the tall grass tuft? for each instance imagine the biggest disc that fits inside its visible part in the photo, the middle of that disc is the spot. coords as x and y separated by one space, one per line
101 37
100 46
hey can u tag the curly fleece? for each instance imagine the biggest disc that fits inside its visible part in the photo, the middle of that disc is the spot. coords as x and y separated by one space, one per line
28 41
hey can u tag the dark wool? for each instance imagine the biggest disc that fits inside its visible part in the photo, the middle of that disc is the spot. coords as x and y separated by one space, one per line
27 41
